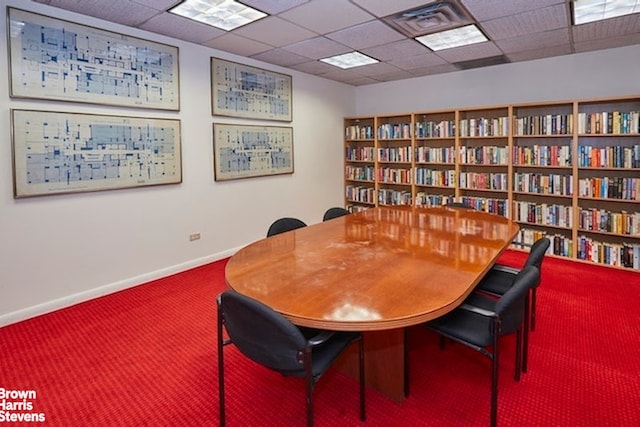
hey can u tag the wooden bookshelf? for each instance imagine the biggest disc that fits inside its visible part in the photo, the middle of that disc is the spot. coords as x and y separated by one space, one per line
567 170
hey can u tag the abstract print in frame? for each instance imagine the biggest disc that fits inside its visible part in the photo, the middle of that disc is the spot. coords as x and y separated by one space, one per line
64 61
57 152
244 151
249 92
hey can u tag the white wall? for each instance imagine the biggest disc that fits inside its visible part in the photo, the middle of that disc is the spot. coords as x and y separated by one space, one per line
596 74
56 250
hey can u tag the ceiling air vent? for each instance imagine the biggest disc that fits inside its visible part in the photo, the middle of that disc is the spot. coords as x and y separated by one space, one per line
482 62
430 18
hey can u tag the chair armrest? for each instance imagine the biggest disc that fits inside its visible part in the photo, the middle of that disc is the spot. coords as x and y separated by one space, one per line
321 338
478 310
505 269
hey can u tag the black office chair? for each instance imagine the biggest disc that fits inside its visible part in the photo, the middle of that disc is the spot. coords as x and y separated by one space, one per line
285 224
481 328
334 213
268 338
500 278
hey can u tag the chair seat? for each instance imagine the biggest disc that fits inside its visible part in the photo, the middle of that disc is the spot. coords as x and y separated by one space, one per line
324 355
466 326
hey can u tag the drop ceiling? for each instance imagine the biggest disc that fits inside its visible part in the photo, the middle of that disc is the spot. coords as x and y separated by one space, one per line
297 33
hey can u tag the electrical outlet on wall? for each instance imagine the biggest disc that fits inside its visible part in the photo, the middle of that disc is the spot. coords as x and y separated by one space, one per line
194 236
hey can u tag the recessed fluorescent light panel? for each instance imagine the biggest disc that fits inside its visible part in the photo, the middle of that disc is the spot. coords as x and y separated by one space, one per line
350 60
462 36
223 14
585 11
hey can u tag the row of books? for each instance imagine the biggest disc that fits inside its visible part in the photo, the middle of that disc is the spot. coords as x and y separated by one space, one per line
537 155
547 124
623 223
394 197
609 122
358 132
360 173
426 199
497 126
483 181
395 176
609 157
362 194
359 154
552 184
487 155
615 254
441 129
435 177
494 206
542 155
394 131
395 154
608 187
543 214
435 155
561 245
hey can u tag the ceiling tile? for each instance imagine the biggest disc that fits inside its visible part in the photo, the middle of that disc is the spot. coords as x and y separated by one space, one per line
436 69
470 52
545 19
158 4
317 48
370 34
121 11
396 50
280 57
599 44
610 28
484 10
273 7
314 67
181 28
321 16
233 43
543 40
274 31
528 55
417 61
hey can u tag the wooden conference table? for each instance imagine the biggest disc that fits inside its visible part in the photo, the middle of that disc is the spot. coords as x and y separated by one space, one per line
376 271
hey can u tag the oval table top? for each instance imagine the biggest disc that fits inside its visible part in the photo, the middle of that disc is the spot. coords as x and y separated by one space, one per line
378 269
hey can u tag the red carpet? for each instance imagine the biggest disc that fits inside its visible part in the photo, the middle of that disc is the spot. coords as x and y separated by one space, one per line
146 357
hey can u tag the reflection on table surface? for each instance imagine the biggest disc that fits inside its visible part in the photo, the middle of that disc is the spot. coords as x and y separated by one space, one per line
382 268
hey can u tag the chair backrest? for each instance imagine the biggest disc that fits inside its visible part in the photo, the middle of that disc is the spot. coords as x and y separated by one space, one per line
334 213
262 334
285 224
537 251
511 306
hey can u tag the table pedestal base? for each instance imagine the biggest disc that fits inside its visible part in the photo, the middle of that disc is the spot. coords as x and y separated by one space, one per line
383 360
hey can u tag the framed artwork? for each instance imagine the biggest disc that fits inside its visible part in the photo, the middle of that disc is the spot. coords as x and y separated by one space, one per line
56 152
249 92
54 59
244 151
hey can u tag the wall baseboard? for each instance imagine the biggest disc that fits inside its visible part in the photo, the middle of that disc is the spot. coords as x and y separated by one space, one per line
67 301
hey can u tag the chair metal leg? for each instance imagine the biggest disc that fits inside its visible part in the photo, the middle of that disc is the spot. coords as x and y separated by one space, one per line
533 309
221 369
518 369
494 376
525 334
363 415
